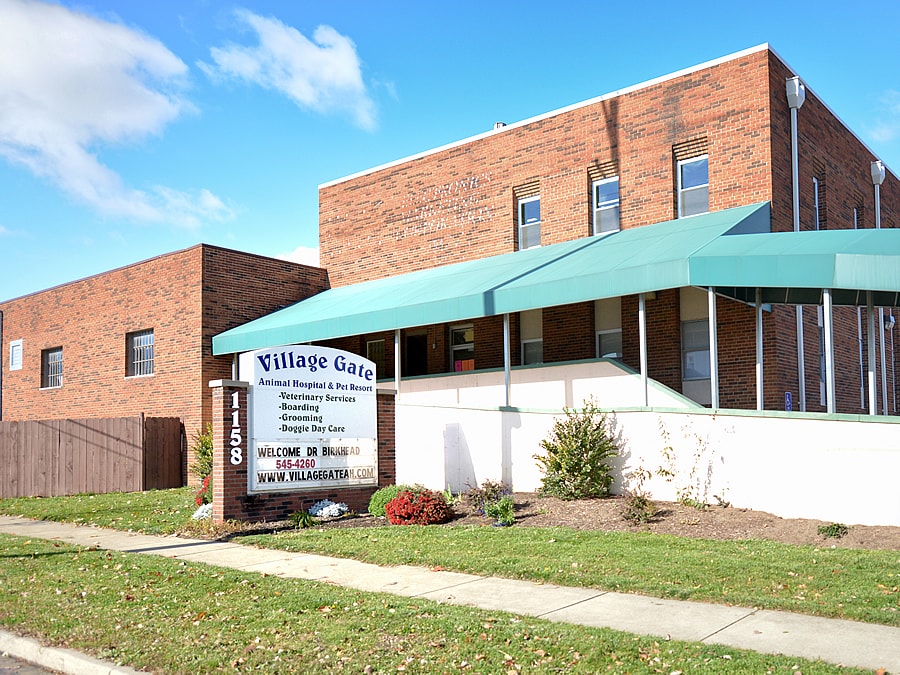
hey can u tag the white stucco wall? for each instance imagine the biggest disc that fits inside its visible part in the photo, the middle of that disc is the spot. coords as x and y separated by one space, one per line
452 431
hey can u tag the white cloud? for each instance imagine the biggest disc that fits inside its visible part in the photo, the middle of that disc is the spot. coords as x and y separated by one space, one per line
322 74
304 255
70 82
887 129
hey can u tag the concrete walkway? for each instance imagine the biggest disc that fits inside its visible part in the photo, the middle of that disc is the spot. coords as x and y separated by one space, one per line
836 641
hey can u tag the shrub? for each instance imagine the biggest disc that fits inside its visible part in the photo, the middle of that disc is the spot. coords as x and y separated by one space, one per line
302 519
502 510
202 446
833 530
418 508
205 493
577 453
638 508
477 498
383 495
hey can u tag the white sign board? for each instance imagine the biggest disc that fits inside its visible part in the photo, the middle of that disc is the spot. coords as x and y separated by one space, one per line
312 419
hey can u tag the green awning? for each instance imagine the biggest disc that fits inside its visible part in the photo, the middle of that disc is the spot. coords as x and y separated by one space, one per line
636 260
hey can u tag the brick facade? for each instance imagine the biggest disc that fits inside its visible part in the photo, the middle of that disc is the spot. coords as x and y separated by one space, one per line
186 297
459 203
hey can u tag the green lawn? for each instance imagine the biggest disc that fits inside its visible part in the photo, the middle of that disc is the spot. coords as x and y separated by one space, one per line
174 617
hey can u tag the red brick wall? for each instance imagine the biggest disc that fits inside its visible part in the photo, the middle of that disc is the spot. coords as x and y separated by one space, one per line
458 204
186 297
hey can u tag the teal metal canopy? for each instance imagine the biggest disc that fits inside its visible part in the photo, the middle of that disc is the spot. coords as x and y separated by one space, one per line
637 260
732 250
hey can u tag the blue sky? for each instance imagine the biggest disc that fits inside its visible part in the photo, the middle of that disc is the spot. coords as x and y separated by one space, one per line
130 129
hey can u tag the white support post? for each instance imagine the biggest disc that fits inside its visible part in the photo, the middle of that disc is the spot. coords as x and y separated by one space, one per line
506 357
870 338
880 330
759 351
713 348
830 406
642 335
801 361
397 361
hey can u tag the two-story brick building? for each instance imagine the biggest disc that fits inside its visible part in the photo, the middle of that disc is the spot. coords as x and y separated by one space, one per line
670 153
138 339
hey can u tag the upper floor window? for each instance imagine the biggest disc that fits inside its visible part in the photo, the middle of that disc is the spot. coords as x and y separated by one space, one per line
15 355
139 353
51 367
529 222
693 186
606 205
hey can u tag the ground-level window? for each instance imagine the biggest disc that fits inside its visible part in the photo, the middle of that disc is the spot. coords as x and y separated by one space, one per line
695 350
51 367
462 348
375 354
139 353
606 205
608 327
531 330
529 222
693 186
15 355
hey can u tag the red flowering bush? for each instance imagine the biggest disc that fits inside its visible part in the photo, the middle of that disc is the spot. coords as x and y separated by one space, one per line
204 494
418 508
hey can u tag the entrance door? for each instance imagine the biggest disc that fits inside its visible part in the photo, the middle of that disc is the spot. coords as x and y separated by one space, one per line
415 356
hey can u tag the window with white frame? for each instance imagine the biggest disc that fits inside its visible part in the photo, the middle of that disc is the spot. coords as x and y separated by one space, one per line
51 368
529 222
462 348
15 355
606 205
531 330
693 186
139 353
375 354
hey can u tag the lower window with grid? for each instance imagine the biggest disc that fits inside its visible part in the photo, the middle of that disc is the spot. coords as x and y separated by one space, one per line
139 353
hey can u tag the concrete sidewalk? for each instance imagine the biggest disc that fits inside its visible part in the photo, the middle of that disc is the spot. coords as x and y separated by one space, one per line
835 641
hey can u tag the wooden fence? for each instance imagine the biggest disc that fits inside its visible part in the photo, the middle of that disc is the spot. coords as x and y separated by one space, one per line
64 457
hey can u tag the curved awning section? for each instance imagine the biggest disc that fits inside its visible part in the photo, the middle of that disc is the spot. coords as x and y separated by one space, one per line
732 250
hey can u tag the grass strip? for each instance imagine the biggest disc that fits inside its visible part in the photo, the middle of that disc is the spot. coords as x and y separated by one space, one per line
861 585
175 617
832 582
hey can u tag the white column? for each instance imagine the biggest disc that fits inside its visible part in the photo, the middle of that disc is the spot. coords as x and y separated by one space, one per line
801 361
642 336
870 330
829 352
506 357
397 361
713 348
759 351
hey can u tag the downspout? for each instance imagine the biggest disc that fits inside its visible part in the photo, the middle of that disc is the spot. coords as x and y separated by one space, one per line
870 339
397 362
796 95
877 180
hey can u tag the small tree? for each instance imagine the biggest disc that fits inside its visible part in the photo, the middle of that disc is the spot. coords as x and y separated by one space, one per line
202 445
577 454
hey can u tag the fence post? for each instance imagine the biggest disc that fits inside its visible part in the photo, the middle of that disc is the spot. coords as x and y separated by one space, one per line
229 420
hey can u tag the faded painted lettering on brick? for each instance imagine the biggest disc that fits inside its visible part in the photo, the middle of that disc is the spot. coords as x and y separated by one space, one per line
313 419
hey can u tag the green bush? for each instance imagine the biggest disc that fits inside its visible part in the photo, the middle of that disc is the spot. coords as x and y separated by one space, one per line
477 498
577 454
502 510
202 445
382 496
